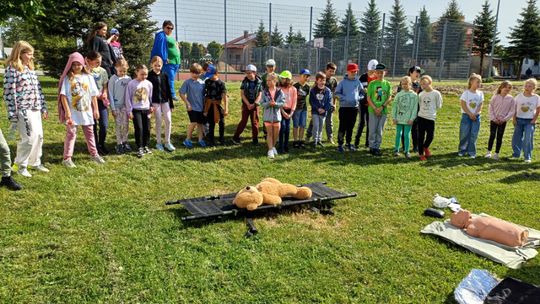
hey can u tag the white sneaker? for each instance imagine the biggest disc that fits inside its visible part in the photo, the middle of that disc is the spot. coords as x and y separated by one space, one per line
159 147
98 159
274 151
496 156
488 154
271 154
528 161
472 156
169 147
40 168
460 154
24 172
69 163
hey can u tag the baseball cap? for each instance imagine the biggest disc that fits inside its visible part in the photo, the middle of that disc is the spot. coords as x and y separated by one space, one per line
305 72
372 64
416 69
352 67
380 67
115 31
270 62
251 68
285 74
210 71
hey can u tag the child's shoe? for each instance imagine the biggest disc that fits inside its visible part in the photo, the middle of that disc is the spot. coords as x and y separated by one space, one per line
427 153
169 147
159 147
274 151
236 141
147 150
488 154
423 158
320 144
472 156
408 155
140 152
127 147
119 149
255 141
496 156
271 154
202 143
69 163
396 153
461 154
528 161
189 144
98 159
40 168
24 172
10 183
377 152
340 149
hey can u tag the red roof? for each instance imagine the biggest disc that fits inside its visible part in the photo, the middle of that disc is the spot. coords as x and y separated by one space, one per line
241 42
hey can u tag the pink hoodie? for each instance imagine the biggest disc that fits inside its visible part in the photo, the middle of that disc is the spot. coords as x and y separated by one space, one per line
74 57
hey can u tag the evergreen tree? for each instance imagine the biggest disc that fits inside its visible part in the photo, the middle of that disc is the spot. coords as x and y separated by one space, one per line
424 35
185 51
326 26
396 31
454 49
276 37
197 52
214 49
261 37
370 29
350 21
484 27
525 36
299 38
289 39
452 12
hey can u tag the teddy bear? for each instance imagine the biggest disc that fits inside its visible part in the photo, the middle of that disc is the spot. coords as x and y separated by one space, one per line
490 228
269 191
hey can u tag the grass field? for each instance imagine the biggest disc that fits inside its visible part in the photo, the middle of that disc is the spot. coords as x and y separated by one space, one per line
102 234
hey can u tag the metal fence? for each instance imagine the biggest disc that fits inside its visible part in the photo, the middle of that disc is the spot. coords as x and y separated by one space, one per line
442 48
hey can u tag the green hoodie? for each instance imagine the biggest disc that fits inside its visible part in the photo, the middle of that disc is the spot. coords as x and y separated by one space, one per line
405 107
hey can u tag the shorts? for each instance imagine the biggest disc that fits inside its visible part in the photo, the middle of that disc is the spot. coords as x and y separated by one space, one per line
271 124
196 117
299 118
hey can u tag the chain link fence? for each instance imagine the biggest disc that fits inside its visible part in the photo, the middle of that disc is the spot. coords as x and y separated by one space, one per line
442 48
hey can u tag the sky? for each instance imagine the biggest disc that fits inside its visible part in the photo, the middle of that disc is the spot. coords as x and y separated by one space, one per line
203 21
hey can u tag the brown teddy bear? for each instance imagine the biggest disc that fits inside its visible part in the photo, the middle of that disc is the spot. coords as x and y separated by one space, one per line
269 192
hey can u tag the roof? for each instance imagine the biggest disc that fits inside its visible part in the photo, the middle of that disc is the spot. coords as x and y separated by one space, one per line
241 42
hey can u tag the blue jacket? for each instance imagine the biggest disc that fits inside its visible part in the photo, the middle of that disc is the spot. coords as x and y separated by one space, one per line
272 113
318 101
350 92
160 47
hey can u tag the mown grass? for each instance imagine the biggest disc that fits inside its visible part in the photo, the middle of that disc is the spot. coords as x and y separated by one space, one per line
103 234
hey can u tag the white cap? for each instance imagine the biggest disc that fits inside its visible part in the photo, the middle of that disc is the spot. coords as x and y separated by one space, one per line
372 64
251 68
270 62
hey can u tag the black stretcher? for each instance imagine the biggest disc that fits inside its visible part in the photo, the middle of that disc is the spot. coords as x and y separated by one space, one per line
216 207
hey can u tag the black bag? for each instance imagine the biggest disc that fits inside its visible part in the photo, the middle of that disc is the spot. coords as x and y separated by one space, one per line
512 291
434 213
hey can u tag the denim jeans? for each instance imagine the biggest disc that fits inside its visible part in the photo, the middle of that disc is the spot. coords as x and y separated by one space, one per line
468 134
523 138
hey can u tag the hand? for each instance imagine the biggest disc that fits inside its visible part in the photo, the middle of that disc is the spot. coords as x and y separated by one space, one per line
131 116
251 106
96 115
378 111
285 115
395 121
45 115
272 103
114 113
226 112
472 117
205 114
321 111
410 122
189 108
104 95
151 110
514 122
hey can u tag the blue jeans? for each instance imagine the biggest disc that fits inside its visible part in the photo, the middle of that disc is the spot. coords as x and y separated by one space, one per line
170 70
299 118
103 123
284 131
523 138
468 134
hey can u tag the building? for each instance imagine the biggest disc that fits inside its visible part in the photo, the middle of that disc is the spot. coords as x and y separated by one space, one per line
238 51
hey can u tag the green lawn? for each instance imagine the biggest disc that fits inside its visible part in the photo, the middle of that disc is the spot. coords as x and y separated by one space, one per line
102 234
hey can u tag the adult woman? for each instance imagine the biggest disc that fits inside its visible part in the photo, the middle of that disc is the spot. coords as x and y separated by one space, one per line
165 46
97 42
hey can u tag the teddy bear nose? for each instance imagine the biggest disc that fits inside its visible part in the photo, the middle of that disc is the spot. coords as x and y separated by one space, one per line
247 188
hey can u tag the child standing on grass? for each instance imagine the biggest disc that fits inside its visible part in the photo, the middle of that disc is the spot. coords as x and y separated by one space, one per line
501 109
26 107
117 88
363 112
93 60
349 91
273 100
404 113
414 73
379 97
287 111
430 101
527 110
162 103
216 106
300 114
331 83
77 106
138 97
251 94
5 166
320 99
472 101
192 93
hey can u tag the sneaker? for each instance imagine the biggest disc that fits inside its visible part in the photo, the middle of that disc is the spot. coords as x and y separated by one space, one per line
24 172
423 158
320 144
302 145
271 154
159 147
274 151
377 152
353 148
147 150
102 150
236 141
496 156
40 168
202 143
340 149
427 153
472 156
331 141
461 154
10 183
488 154
255 141
371 151
69 163
408 155
98 159
127 147
189 144
296 144
396 153
513 157
169 147
119 149
528 161
175 98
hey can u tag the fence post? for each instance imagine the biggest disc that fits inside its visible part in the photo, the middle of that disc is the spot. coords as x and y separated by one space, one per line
417 45
309 40
441 59
346 44
470 55
380 40
414 38
332 50
175 22
225 36
395 54
493 39
359 49
289 63
270 30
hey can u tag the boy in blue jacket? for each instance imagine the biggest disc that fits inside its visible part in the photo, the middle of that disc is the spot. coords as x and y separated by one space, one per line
349 91
320 99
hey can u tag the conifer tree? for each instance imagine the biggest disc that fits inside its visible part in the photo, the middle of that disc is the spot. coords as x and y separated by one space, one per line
484 28
525 36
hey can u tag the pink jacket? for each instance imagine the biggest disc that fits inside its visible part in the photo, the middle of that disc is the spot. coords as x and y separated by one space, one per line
502 108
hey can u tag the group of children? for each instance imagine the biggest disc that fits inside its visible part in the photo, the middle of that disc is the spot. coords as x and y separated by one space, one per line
85 94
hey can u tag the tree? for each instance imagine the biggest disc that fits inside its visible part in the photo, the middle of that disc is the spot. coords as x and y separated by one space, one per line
349 21
452 12
525 36
261 37
197 52
185 51
326 26
276 37
424 34
293 38
396 31
484 28
23 9
455 32
215 49
370 30
299 38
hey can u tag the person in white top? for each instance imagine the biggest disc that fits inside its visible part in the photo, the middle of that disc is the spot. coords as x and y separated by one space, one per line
472 101
430 101
527 110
